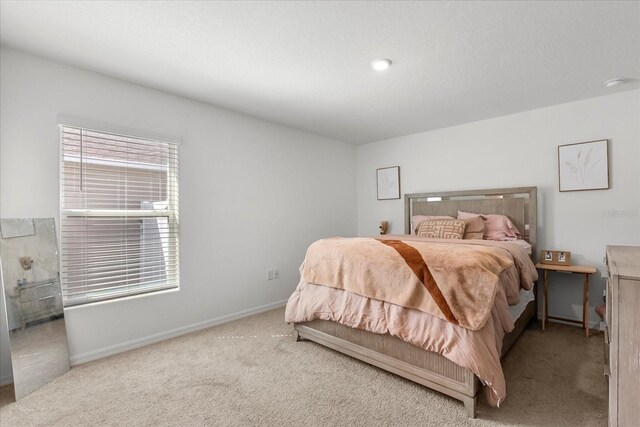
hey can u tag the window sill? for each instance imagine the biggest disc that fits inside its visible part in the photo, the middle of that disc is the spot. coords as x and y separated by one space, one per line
121 299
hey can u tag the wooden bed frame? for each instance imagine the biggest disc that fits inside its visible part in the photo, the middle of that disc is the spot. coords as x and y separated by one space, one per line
421 366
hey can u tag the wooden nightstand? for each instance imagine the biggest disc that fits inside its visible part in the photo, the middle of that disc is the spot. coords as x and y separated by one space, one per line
579 269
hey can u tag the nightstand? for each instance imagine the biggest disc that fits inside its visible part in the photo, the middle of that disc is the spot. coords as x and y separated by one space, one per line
571 269
40 300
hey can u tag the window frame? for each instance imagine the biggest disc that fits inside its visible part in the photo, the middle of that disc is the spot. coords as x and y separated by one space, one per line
171 213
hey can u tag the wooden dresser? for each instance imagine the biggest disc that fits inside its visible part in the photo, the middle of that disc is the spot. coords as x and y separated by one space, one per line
622 335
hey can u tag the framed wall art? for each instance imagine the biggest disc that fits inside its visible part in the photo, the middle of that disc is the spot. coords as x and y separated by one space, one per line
583 166
388 183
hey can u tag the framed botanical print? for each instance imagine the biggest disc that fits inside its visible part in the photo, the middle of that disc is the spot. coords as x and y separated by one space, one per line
583 166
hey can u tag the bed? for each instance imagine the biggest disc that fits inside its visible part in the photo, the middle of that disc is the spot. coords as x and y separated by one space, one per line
430 368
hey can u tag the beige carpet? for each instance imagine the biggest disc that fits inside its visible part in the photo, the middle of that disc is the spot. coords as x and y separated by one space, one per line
251 372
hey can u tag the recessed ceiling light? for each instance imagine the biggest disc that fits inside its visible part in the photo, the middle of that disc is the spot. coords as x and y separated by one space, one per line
613 82
380 64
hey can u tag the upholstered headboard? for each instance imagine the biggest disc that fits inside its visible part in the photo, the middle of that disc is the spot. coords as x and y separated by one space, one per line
518 203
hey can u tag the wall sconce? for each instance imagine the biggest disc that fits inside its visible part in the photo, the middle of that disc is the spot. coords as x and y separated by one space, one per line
384 225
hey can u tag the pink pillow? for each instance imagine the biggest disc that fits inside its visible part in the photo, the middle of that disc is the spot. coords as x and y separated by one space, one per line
417 219
496 227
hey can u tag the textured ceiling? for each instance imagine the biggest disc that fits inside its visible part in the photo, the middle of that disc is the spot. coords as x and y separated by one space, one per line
306 64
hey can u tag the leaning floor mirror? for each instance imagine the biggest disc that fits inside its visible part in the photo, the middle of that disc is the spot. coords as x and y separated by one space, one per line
33 302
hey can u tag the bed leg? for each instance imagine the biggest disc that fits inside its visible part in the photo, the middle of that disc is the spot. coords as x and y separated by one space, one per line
296 335
470 406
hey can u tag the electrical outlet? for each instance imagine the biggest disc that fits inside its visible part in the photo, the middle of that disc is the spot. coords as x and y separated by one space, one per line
269 274
276 273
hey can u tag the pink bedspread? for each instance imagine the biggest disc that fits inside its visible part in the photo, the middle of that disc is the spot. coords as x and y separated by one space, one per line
447 280
478 351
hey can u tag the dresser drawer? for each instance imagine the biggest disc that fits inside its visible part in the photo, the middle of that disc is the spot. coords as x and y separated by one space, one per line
30 307
607 366
607 352
41 308
607 297
37 292
52 302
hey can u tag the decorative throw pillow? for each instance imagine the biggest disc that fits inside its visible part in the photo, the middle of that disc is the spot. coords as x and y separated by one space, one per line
417 219
496 227
442 228
474 228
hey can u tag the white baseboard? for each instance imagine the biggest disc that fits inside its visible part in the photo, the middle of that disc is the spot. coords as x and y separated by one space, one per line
151 339
593 323
7 379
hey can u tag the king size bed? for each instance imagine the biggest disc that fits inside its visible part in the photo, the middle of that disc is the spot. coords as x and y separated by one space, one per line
439 312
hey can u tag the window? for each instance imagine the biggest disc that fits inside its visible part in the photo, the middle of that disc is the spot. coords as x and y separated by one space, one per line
119 215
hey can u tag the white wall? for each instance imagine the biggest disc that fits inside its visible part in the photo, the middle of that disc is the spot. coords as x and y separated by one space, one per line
253 195
521 150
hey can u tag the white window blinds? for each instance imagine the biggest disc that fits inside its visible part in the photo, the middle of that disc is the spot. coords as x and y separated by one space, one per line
119 215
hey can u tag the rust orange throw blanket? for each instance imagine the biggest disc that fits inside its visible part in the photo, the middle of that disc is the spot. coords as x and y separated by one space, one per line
456 283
